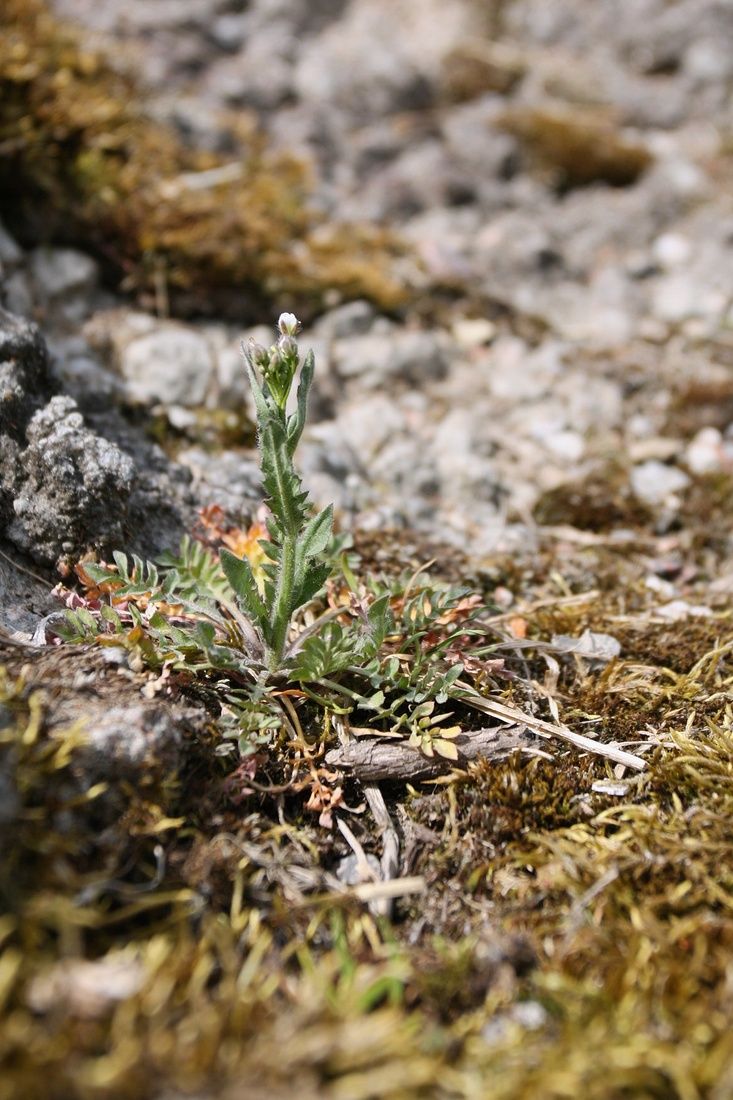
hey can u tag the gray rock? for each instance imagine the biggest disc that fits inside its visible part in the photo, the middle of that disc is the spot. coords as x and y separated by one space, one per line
122 740
229 479
654 483
71 490
352 319
16 293
172 364
229 31
24 595
261 74
62 272
92 387
381 56
24 373
374 359
11 253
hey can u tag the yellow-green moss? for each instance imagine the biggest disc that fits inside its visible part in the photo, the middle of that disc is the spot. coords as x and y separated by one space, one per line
80 163
570 942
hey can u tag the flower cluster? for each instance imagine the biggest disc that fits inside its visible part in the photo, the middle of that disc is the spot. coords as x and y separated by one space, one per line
279 363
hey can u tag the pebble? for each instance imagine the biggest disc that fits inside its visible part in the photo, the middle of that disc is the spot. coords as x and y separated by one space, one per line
473 332
351 319
63 272
407 356
671 250
654 483
11 253
173 364
709 452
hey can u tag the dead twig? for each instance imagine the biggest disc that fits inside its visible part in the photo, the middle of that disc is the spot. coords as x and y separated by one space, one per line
390 861
539 605
374 759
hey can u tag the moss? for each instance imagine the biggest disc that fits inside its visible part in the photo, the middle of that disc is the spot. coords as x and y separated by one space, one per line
82 164
707 512
671 646
569 942
577 146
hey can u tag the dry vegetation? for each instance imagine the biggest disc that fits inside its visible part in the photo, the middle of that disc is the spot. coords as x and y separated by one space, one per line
569 940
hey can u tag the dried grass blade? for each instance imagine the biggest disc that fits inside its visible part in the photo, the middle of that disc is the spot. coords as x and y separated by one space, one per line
550 729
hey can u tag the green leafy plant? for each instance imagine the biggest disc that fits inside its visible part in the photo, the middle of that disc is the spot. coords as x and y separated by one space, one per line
291 619
294 571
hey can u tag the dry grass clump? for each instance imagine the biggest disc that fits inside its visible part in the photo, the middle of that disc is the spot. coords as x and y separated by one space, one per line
628 901
80 163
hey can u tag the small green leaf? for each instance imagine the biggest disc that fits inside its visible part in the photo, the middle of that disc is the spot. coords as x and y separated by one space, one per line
296 422
312 583
316 534
204 634
120 561
239 573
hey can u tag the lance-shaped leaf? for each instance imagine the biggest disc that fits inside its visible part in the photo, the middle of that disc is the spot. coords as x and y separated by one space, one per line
296 422
311 584
316 534
240 576
286 498
380 620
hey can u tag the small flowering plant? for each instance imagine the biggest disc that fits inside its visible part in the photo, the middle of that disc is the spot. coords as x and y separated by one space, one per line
294 570
238 617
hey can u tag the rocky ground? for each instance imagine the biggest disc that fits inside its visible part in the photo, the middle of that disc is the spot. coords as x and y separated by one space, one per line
553 411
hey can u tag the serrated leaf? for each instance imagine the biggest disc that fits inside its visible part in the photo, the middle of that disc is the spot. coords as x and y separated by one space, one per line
261 406
316 534
239 573
312 583
286 499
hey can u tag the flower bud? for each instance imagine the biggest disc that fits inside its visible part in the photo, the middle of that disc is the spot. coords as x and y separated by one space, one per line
260 356
288 324
287 347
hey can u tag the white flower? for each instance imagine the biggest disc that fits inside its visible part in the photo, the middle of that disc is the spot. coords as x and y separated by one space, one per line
288 324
